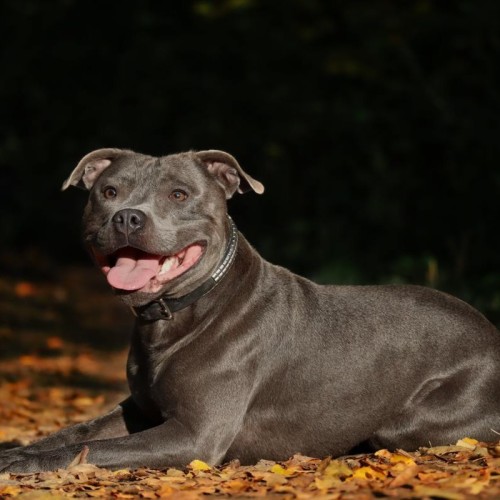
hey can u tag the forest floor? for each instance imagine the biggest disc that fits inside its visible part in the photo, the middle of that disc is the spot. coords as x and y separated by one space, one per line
63 361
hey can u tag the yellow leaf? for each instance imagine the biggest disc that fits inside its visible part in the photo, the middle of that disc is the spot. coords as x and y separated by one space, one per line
325 483
467 443
398 458
481 451
337 468
121 472
199 465
477 487
13 491
278 469
367 473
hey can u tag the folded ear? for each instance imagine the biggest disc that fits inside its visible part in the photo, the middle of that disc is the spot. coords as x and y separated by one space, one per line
228 172
91 166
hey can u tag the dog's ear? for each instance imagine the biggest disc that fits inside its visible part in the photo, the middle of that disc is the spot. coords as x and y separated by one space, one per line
228 172
91 166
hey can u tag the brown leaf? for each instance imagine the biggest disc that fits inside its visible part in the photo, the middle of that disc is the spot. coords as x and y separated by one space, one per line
445 450
25 289
427 491
404 477
81 458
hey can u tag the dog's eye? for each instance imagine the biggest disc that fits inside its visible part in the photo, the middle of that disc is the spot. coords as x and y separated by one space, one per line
109 192
178 195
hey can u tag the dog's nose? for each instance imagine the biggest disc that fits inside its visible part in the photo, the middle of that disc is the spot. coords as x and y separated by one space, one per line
128 220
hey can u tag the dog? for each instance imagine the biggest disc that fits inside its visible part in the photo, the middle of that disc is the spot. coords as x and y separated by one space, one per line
236 358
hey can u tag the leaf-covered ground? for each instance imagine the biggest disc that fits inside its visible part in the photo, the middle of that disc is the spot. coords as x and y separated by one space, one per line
452 472
62 361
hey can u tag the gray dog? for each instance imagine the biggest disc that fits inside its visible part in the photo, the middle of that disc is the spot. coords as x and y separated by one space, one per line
233 357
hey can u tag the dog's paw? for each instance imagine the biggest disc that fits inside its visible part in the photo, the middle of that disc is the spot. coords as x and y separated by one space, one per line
9 457
24 460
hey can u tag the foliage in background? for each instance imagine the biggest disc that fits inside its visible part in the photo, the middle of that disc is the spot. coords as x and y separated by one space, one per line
374 125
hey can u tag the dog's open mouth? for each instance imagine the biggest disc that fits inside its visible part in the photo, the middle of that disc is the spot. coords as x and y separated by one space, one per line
132 269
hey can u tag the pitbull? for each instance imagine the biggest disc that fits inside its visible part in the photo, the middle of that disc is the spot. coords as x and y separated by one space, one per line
235 358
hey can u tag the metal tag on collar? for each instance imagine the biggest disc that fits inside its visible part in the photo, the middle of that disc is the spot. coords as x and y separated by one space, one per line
164 310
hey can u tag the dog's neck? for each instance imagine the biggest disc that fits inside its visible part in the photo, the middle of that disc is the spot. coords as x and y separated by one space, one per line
163 307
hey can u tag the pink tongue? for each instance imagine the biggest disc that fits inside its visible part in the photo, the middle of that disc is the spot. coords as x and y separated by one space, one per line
133 269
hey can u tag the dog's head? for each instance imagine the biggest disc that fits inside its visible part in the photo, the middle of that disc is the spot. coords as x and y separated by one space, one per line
157 225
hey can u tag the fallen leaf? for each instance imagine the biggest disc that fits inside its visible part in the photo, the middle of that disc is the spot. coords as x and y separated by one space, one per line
236 485
367 473
444 450
405 476
467 443
272 479
426 491
325 483
199 465
25 289
165 490
12 491
175 473
432 476
383 453
81 458
338 469
148 494
399 458
54 343
278 469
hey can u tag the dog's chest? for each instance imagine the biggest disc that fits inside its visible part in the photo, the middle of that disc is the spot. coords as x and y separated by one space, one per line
161 368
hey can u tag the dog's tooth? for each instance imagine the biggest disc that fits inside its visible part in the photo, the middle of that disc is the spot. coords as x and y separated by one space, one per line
167 264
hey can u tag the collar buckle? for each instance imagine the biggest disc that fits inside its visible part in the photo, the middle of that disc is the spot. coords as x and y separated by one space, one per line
165 312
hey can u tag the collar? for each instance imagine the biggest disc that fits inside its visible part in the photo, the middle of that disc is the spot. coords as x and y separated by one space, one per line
164 306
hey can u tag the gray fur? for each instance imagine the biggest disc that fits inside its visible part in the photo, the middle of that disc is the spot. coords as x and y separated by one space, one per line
268 363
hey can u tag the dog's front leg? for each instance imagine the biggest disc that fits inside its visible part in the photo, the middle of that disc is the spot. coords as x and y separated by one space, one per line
122 420
168 444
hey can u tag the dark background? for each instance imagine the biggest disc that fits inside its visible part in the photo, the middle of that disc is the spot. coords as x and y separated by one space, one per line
374 125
